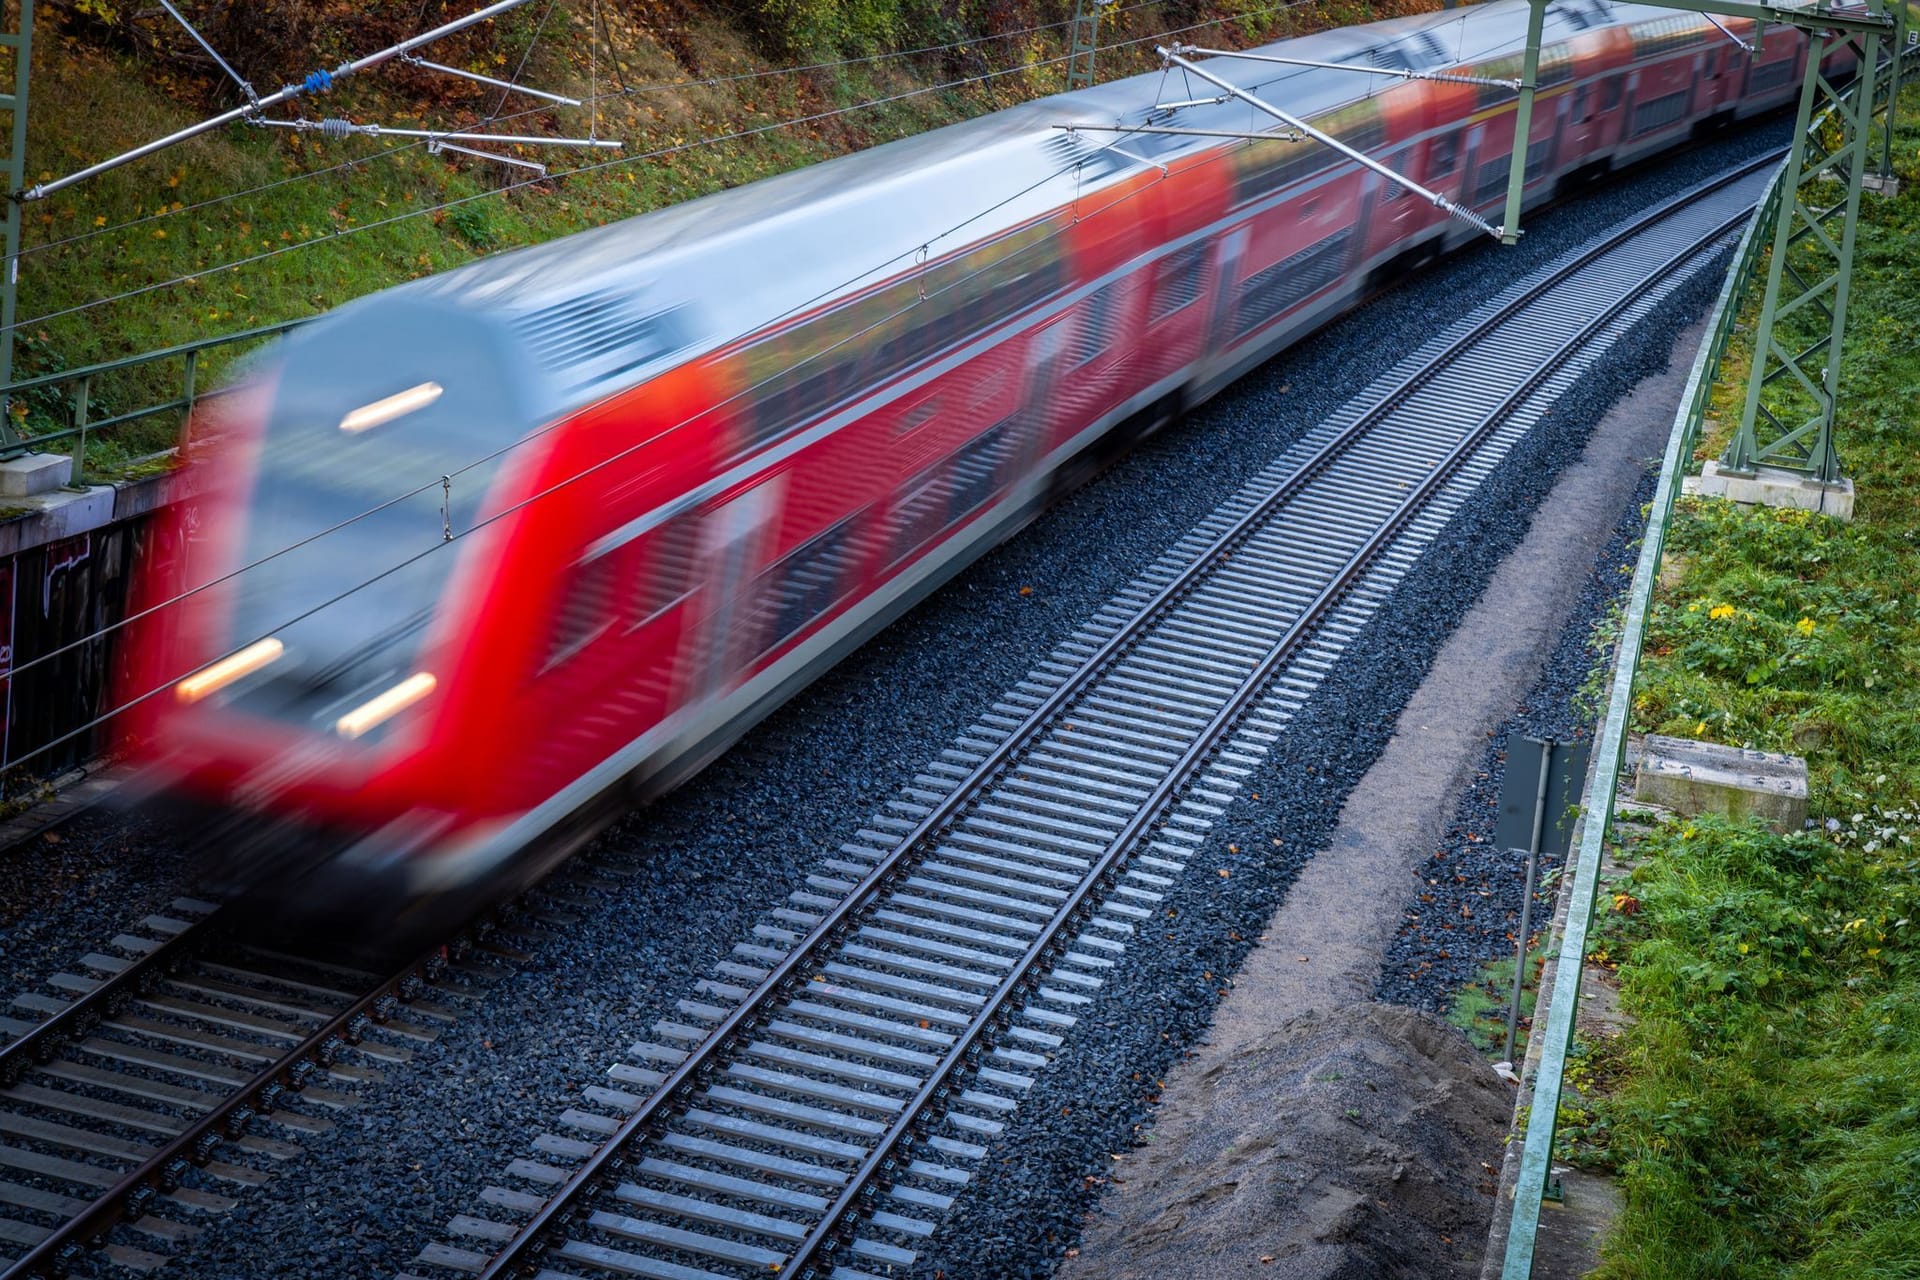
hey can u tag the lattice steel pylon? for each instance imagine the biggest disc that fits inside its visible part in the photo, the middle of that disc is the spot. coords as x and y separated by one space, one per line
1084 41
20 43
1793 386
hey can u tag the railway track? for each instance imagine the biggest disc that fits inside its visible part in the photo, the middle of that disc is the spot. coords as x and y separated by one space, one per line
822 1097
143 1092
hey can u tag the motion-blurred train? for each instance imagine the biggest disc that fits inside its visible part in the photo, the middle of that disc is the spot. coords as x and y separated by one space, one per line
485 558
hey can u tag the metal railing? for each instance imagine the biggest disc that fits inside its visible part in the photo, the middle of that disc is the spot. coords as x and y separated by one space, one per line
1556 1038
76 398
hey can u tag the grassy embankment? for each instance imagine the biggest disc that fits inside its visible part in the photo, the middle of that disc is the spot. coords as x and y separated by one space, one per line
316 233
1764 1108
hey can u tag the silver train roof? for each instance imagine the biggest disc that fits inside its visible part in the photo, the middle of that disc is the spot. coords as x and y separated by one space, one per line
726 264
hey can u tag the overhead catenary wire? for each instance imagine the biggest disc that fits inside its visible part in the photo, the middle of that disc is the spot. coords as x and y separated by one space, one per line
316 82
658 86
653 87
539 433
672 149
575 477
849 283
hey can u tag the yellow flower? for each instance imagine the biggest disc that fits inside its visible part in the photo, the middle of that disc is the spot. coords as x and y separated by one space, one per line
1720 611
1700 728
1804 626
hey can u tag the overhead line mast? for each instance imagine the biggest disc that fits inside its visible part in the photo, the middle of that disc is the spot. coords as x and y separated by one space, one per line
1793 386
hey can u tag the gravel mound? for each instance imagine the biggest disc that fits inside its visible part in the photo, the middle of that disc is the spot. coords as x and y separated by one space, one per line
1355 1140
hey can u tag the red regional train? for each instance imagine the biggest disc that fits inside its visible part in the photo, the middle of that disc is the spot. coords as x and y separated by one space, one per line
487 557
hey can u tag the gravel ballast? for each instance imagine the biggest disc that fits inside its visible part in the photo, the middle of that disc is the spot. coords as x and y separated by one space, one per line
1441 947
710 859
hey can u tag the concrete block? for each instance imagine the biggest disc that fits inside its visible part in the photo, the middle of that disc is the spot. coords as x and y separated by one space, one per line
1774 487
1704 777
1888 186
34 473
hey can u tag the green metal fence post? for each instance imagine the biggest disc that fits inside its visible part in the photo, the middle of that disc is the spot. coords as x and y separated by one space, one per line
1893 95
21 42
78 476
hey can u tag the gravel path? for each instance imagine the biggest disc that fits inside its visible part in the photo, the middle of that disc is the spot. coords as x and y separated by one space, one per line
1439 948
715 855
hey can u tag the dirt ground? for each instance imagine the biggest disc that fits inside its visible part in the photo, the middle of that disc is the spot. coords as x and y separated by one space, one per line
1347 1137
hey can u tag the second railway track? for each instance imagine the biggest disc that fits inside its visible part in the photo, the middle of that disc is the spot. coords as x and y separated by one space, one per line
157 1080
830 1087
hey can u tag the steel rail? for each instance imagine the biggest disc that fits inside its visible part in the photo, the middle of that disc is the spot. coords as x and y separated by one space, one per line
784 978
43 1041
1104 874
135 1192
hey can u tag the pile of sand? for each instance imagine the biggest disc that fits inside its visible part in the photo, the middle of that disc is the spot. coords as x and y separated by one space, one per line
1357 1144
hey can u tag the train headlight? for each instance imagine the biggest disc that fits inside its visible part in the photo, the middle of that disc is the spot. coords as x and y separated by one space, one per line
376 711
228 669
398 405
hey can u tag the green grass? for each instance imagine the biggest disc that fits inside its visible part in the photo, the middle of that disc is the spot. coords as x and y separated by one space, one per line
1479 1009
1766 1122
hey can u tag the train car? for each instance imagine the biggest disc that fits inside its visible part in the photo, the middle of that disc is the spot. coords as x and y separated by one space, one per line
483 559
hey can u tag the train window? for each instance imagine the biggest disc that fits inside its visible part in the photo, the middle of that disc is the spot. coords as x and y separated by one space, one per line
1398 163
802 373
1442 154
1491 182
811 579
1770 75
1507 68
976 470
1664 35
1582 97
1610 93
1100 315
1358 124
586 610
1180 279
1537 155
920 513
1659 113
1265 167
667 575
1290 281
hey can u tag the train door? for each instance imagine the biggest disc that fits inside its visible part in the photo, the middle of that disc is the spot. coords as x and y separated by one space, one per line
1041 397
737 533
1229 251
1395 216
1469 175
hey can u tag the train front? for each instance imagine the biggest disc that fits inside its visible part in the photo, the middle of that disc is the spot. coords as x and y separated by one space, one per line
314 607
